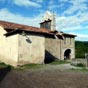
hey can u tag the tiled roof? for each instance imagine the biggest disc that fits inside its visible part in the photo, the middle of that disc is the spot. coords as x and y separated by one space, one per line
66 34
13 26
62 33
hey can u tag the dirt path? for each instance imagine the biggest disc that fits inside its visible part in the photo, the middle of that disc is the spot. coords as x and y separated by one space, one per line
61 67
48 77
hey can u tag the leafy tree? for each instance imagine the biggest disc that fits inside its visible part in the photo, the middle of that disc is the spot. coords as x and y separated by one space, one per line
81 48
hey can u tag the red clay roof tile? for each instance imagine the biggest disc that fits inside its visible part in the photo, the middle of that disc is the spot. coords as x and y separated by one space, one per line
15 26
10 25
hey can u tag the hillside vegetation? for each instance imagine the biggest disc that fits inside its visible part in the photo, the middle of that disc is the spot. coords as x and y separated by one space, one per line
81 48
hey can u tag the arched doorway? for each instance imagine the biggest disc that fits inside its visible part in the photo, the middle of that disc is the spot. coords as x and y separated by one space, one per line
67 55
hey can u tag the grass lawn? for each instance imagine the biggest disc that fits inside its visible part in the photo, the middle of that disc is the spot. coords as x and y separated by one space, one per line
38 66
59 62
80 69
30 66
2 65
34 66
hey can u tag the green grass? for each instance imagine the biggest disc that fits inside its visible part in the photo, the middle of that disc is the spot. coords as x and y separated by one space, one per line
30 66
3 65
59 62
79 65
81 69
38 66
34 66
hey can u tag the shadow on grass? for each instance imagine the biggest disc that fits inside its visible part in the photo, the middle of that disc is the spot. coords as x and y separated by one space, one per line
4 71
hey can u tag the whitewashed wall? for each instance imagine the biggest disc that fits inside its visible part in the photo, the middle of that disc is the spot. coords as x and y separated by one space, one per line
31 49
8 48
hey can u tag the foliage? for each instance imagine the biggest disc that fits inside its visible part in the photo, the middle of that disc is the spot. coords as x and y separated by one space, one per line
81 48
2 64
80 65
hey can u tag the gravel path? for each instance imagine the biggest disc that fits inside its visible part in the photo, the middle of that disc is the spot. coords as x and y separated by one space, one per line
50 76
61 67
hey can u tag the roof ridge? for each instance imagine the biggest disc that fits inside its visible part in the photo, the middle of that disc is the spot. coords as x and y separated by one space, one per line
11 25
1 21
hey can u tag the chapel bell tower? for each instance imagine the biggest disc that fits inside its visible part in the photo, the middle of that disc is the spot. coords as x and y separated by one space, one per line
48 21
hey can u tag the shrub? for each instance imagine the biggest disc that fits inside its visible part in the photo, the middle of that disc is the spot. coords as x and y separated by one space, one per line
80 65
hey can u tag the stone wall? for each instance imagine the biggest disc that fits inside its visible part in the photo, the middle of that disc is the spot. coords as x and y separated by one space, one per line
55 48
52 49
31 49
21 49
77 61
8 48
68 43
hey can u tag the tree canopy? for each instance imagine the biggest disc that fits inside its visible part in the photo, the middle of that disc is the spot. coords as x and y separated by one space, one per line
81 48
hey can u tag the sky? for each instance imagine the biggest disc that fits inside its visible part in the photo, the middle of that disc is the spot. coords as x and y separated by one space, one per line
71 15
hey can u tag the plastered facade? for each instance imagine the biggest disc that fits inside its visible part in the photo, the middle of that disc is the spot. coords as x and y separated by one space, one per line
21 49
8 48
31 49
18 49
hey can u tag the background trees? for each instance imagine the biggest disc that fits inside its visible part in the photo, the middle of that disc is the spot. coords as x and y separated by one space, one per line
81 48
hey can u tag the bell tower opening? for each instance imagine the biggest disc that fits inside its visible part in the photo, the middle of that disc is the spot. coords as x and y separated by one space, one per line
46 24
48 21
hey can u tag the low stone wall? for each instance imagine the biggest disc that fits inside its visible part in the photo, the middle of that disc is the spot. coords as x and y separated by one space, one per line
76 61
